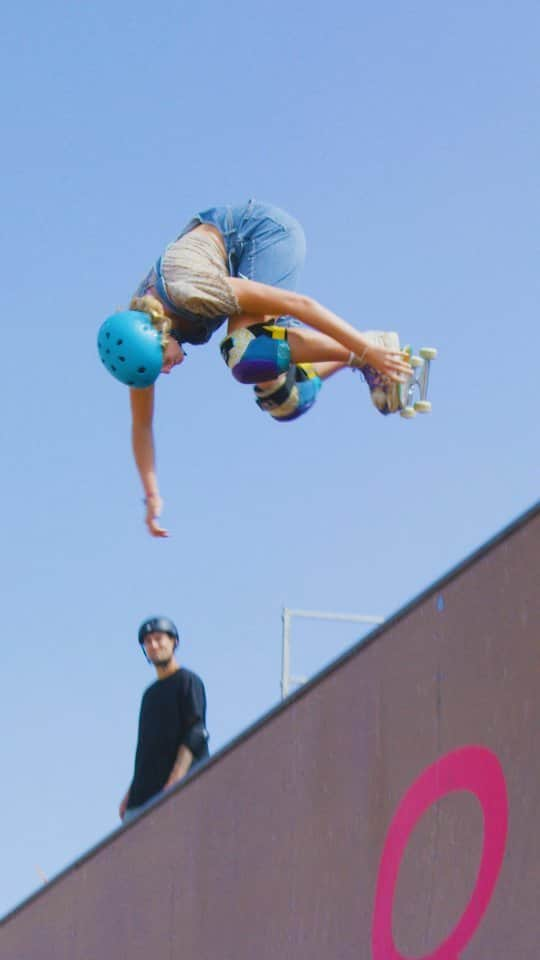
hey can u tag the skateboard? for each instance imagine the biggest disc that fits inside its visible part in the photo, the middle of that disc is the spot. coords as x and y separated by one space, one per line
417 384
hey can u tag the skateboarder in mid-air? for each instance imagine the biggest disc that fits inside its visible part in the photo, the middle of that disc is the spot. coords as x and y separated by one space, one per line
239 264
172 724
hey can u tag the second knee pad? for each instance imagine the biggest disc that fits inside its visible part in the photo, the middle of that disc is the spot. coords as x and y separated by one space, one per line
293 396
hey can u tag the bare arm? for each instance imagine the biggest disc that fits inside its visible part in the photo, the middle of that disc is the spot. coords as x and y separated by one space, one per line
123 804
184 759
263 300
142 439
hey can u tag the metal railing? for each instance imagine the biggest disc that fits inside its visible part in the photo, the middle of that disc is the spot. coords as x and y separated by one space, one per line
287 679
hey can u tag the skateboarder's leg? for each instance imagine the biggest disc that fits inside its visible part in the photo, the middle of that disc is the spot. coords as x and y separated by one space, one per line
261 352
309 346
329 367
265 353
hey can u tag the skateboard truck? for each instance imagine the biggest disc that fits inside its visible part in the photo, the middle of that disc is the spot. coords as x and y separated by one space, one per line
417 383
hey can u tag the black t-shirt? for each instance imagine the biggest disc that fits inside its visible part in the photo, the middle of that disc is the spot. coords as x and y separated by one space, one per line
169 709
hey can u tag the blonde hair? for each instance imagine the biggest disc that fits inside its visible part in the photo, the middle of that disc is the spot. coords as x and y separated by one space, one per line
158 318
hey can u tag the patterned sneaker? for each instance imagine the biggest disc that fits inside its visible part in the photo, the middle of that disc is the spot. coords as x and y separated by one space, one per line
385 394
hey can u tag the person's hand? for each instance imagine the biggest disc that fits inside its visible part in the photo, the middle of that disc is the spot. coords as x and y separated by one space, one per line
154 506
123 806
392 363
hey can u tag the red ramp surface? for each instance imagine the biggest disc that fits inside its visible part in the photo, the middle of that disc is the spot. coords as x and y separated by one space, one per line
388 810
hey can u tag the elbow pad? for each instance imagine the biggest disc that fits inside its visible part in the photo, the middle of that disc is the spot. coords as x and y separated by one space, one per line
196 738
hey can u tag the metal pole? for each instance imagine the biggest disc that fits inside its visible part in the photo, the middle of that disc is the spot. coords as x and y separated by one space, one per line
285 653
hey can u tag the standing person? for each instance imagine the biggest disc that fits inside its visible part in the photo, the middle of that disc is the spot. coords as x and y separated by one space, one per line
172 722
241 264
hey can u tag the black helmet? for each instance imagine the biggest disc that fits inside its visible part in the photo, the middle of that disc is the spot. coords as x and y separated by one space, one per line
158 624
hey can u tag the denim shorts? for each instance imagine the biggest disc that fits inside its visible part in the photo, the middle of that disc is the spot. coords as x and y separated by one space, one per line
263 243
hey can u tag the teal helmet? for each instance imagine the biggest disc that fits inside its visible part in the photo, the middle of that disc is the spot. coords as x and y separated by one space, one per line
131 348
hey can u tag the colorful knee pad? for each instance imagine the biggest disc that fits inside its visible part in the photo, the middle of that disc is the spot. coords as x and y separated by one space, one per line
294 395
257 353
260 353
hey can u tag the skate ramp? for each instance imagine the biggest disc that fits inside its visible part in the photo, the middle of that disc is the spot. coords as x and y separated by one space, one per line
388 810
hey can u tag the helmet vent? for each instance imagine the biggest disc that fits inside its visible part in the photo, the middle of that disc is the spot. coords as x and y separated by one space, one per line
113 367
119 343
107 334
123 359
141 370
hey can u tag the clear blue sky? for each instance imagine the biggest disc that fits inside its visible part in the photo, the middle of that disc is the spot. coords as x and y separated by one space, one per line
405 138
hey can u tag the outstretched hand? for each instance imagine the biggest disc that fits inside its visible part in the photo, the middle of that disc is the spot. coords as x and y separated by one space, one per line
393 364
154 506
